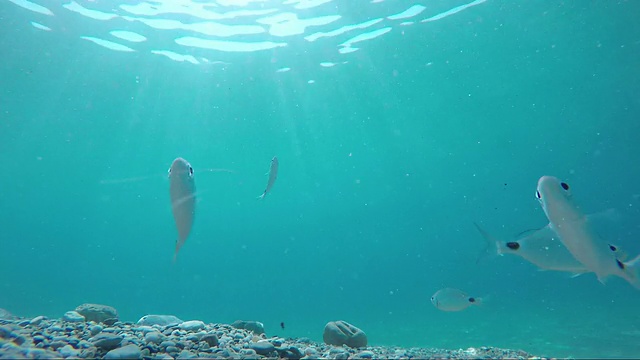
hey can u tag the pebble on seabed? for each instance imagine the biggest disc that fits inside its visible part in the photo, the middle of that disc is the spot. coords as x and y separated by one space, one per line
44 338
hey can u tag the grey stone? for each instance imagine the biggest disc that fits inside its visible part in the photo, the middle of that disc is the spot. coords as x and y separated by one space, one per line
37 320
167 343
110 321
96 312
340 333
126 352
193 325
184 354
162 320
163 356
95 329
106 341
365 355
38 339
55 345
68 351
89 353
210 339
73 316
19 339
263 347
255 326
154 337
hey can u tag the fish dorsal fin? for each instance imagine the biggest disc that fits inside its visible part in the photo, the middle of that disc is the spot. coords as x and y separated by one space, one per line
528 231
542 234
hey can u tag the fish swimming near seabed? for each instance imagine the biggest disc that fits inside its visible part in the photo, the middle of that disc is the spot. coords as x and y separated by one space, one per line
449 299
273 175
576 232
182 189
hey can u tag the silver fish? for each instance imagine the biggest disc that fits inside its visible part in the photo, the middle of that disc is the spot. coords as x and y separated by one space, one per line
576 232
449 299
273 175
542 248
182 189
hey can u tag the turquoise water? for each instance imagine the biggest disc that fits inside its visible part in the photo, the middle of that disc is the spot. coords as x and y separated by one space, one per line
387 156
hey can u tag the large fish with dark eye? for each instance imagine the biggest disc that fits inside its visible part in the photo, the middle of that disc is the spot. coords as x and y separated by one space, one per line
542 248
273 175
576 232
182 189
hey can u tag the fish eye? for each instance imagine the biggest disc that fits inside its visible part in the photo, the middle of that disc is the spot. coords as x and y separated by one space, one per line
564 185
613 247
513 245
472 300
538 195
190 170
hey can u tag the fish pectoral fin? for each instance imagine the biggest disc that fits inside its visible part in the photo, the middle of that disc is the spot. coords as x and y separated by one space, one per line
609 215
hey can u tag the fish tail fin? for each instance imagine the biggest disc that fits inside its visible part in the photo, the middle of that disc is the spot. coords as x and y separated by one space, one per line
262 196
493 246
632 268
481 301
175 254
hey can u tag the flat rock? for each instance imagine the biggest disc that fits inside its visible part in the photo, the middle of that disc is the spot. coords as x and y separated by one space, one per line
162 320
340 333
96 312
263 347
130 351
106 341
73 316
255 326
192 325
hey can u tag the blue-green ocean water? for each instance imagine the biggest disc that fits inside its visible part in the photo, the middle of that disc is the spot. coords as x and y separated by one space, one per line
385 163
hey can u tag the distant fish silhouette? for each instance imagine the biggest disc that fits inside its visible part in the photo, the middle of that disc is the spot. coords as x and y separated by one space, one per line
182 189
273 175
282 325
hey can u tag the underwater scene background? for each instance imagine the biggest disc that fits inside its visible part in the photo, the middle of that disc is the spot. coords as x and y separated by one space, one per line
397 125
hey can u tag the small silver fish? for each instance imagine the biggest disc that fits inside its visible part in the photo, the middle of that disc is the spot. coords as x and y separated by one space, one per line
182 189
273 175
449 299
576 233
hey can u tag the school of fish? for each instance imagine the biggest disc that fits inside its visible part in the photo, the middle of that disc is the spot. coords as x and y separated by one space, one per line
567 243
